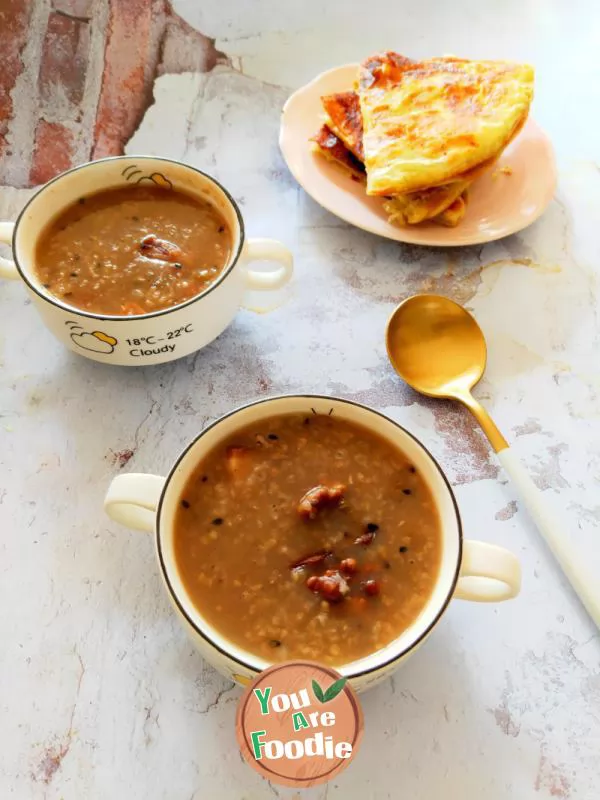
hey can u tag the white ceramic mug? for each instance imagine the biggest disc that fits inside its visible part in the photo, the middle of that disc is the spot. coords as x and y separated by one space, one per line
161 335
469 570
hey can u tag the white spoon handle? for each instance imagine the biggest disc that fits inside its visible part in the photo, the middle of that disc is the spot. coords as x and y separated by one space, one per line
581 578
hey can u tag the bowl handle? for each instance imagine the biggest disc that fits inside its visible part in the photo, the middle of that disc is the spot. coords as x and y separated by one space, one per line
258 282
132 500
7 265
488 574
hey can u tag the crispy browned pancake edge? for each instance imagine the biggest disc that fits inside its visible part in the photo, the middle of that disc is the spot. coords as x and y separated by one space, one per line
329 145
344 119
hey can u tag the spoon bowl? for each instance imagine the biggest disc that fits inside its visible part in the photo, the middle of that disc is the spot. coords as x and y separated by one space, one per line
436 346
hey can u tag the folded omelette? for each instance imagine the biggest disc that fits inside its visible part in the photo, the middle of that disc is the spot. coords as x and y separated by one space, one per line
427 123
344 123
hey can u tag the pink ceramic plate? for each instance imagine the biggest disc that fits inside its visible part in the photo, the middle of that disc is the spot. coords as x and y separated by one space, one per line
499 204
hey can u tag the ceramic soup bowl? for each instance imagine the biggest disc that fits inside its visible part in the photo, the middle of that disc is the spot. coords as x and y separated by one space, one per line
469 570
157 336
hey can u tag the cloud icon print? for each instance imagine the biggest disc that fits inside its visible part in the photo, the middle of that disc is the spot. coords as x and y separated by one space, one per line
97 342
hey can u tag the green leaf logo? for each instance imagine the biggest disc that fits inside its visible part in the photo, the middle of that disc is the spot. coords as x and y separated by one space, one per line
318 692
331 693
334 689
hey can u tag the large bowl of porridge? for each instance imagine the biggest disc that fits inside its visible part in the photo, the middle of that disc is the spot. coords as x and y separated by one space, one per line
310 527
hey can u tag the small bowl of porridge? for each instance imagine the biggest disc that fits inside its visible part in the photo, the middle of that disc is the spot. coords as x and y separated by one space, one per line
139 260
310 527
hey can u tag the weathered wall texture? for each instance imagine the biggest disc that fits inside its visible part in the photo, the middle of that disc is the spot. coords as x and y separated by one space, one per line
76 77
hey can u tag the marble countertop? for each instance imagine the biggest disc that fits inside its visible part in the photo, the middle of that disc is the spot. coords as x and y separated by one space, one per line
101 693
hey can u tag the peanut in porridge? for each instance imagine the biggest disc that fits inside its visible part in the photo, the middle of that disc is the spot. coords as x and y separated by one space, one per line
133 250
308 537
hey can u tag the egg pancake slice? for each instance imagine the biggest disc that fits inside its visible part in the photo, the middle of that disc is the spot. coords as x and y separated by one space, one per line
344 120
427 123
430 204
410 209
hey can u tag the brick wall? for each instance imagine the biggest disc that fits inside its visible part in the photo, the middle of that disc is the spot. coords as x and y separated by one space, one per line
76 77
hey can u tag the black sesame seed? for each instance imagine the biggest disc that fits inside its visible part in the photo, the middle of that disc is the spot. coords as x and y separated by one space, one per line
221 228
74 274
406 491
135 219
274 642
307 421
372 527
403 549
273 437
204 478
387 565
217 521
185 504
412 469
46 285
177 265
81 201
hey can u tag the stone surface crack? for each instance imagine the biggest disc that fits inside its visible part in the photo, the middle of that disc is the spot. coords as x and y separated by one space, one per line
136 435
406 694
214 703
55 754
272 788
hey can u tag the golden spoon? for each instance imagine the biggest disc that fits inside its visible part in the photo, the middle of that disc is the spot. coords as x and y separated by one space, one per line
439 350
